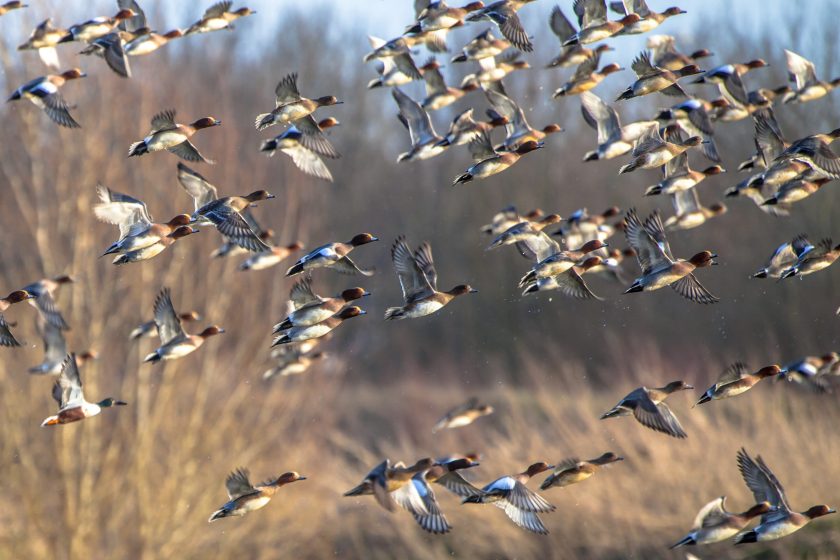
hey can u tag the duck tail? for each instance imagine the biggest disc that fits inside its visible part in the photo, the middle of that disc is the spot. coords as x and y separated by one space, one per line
66 39
632 166
394 313
296 269
636 287
282 326
375 83
152 358
121 259
688 540
138 149
704 399
772 201
614 413
748 537
264 120
532 288
51 421
465 178
460 58
654 190
591 156
114 248
281 340
135 334
218 514
14 96
269 147
527 279
760 274
626 94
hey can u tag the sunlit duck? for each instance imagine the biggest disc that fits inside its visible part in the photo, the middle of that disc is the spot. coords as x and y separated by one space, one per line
43 298
558 262
6 336
433 40
422 502
689 213
785 256
613 139
219 16
814 151
304 144
290 106
652 151
418 280
517 129
594 25
464 129
798 189
333 255
67 392
43 92
489 162
175 343
110 47
736 379
439 15
684 181
714 524
586 77
520 503
308 308
493 70
302 333
666 55
425 142
166 134
693 117
482 46
396 70
810 371
463 415
728 79
804 77
523 232
821 256
571 55
245 498
149 328
581 226
137 230
96 27
390 484
508 217
438 94
450 478
274 256
154 249
297 363
503 14
43 39
569 282
650 410
55 350
781 520
659 268
651 79
650 20
13 5
572 471
150 42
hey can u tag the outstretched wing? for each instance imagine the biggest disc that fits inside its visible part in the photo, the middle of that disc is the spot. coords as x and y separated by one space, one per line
166 319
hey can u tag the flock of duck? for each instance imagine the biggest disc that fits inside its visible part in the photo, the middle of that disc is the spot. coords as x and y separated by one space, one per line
781 174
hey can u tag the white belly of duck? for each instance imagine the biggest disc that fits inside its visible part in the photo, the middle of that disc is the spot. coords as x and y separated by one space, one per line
714 534
165 140
176 351
253 505
423 308
315 331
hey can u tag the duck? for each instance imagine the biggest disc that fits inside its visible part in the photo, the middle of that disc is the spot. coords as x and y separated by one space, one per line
522 233
111 48
308 308
614 140
492 71
68 393
693 117
450 478
572 471
803 75
44 93
686 179
438 94
569 282
823 255
781 520
43 298
652 79
464 128
503 14
245 497
482 46
175 343
572 55
430 518
295 363
798 189
520 503
649 408
150 42
810 371
594 25
659 268
55 350
586 77
390 483
224 213
554 261
137 229
6 337
44 39
737 379
714 523
425 142
785 256
154 249
652 151
508 217
434 41
230 249
274 256
814 152
219 16
581 226
439 15
649 20
396 70
168 135
12 5
149 328
305 147
290 106
463 415
418 280
334 255
489 162
728 79
666 55
96 27
303 333
517 130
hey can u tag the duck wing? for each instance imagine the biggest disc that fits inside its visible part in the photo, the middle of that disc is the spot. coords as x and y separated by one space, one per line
424 260
302 294
434 79
527 520
68 387
309 162
571 284
346 266
768 135
761 481
121 210
217 9
590 12
690 288
560 24
458 485
196 186
523 498
481 148
800 70
649 252
732 373
432 520
313 138
657 417
601 116
187 151
419 124
163 121
233 226
711 515
511 27
413 281
642 65
166 319
137 21
55 346
237 484
58 111
6 337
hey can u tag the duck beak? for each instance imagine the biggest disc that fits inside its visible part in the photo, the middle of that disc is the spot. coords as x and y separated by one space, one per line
271 196
365 294
301 477
217 123
473 291
373 238
550 467
120 403
687 386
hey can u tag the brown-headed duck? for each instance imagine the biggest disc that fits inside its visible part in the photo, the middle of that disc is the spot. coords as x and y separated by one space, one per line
334 255
308 308
650 410
6 336
652 79
517 129
168 135
463 415
737 379
245 497
503 14
290 106
613 139
425 143
784 257
175 343
44 93
489 162
572 471
300 334
305 146
96 27
714 523
219 16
